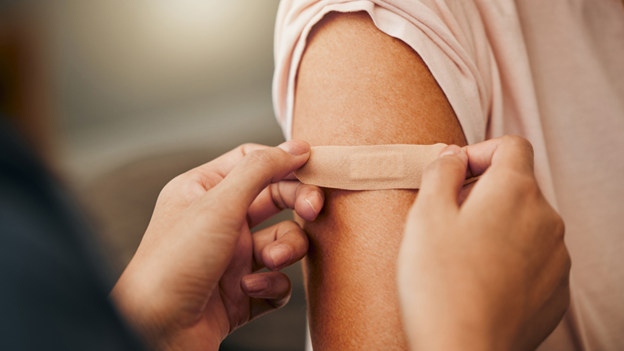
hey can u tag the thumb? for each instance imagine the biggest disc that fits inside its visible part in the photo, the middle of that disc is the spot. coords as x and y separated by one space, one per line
255 172
443 179
509 151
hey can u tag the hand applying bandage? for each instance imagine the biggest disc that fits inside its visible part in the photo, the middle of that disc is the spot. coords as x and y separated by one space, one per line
191 282
491 273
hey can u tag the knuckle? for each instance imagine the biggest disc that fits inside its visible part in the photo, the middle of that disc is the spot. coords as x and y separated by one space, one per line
521 186
247 148
188 182
184 188
276 196
524 183
516 139
197 177
520 142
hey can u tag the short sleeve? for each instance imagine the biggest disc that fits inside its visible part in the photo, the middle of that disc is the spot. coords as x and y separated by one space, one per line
449 37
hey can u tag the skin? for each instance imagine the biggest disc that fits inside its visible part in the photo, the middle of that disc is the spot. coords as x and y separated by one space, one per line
491 273
348 94
191 281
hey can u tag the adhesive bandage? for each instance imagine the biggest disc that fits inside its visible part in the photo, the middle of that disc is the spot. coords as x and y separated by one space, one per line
374 167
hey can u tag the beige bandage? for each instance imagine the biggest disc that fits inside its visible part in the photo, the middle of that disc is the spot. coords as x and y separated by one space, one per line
368 167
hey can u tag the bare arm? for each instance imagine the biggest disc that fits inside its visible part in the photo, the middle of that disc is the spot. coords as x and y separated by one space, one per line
358 86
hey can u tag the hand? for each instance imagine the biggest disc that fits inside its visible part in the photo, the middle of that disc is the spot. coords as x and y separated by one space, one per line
190 282
491 273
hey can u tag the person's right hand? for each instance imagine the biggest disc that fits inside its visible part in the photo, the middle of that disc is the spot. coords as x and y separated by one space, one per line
492 272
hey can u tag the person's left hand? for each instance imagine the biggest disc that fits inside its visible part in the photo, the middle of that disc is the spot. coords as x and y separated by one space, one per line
190 282
491 273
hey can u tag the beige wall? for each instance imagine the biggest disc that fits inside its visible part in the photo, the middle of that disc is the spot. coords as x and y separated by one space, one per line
147 76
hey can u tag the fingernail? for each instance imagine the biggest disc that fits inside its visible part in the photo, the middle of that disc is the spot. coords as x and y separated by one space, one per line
280 254
310 198
452 150
293 148
256 284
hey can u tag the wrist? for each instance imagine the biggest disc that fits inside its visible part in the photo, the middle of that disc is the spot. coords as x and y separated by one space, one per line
135 303
158 323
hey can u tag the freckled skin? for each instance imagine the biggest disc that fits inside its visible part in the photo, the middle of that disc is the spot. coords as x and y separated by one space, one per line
358 86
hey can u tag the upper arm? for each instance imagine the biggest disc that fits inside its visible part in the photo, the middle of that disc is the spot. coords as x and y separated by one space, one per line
359 86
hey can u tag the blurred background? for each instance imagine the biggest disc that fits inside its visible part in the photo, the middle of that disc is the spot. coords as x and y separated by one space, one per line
119 96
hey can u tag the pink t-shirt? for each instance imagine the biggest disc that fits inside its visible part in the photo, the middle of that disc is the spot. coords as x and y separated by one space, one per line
551 71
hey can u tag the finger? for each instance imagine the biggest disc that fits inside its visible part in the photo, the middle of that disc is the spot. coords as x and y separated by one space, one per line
279 246
232 197
268 285
443 179
507 151
269 292
306 200
211 173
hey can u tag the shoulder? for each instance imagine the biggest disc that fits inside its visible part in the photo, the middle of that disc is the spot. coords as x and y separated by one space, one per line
449 39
